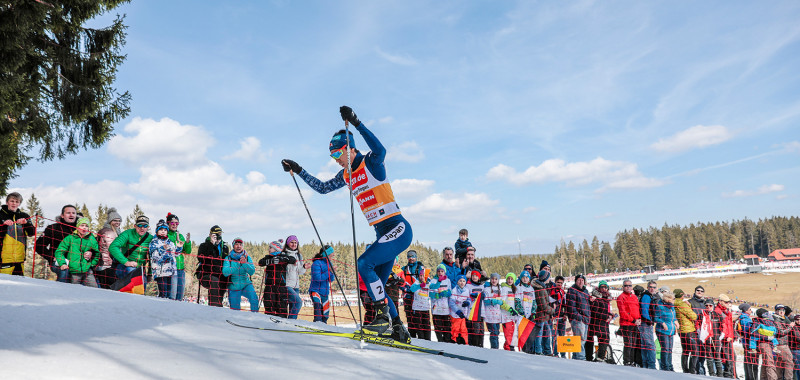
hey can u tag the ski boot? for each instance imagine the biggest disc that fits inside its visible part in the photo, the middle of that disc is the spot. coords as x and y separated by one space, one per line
381 323
399 332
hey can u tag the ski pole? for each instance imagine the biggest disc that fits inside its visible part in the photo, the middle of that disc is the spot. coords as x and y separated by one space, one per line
320 241
353 222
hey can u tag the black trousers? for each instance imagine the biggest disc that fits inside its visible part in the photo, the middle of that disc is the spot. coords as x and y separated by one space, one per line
441 324
216 289
631 353
475 333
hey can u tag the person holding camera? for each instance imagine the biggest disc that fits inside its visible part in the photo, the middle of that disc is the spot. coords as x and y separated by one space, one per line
210 256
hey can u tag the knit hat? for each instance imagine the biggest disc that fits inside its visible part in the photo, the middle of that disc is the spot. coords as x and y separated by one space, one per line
442 267
577 276
724 298
171 217
459 277
744 307
699 287
638 290
238 240
760 312
276 245
544 275
779 306
112 214
603 283
142 219
161 224
524 274
668 296
83 220
292 238
709 301
474 272
543 264
678 293
339 140
664 289
495 275
216 230
411 253
514 276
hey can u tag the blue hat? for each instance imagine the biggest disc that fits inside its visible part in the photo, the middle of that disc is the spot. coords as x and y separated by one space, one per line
544 275
161 224
460 277
524 274
411 253
340 139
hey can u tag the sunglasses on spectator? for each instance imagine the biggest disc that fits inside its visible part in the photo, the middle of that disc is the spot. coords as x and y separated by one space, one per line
338 153
627 286
699 290
142 225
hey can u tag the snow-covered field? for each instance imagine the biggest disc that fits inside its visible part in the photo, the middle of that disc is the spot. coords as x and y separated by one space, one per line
53 330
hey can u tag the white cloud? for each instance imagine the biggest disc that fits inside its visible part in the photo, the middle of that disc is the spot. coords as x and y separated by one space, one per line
165 141
255 177
454 207
396 59
330 169
408 151
699 136
613 174
249 150
411 188
766 189
604 215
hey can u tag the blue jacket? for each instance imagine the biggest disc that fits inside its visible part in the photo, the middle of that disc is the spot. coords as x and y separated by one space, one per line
665 313
239 273
452 271
647 305
762 330
461 249
321 277
578 308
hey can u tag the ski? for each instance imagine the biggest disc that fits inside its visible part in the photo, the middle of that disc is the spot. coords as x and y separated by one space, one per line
372 339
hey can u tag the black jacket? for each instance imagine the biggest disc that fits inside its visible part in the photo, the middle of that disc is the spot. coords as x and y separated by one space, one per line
578 307
275 271
47 244
210 258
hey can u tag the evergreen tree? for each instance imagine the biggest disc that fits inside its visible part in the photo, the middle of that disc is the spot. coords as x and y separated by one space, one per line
33 209
660 251
83 210
100 216
130 220
56 90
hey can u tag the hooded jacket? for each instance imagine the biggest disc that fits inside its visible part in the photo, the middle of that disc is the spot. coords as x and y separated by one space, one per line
664 315
601 313
239 272
72 249
294 270
686 316
105 237
321 276
14 238
162 257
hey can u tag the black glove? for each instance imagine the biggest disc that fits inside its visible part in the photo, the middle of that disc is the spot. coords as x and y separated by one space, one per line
349 116
276 260
291 165
465 304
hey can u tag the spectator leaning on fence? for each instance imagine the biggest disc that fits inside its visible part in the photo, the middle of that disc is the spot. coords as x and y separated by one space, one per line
81 251
130 248
15 228
47 243
629 321
210 256
239 266
179 279
579 312
105 272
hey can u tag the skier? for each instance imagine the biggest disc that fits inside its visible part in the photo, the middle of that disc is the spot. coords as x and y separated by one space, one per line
370 186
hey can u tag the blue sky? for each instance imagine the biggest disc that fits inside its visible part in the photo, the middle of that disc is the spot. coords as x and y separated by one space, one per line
530 120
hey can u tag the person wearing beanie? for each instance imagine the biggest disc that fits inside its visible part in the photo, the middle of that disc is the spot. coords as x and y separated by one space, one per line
601 318
686 332
275 293
461 245
365 175
509 314
81 250
727 354
131 247
579 312
411 272
697 302
163 254
104 271
16 228
459 304
629 320
544 266
763 343
239 266
475 328
210 255
543 331
710 334
179 278
320 286
526 308
293 273
47 243
784 362
493 298
440 289
559 320
420 326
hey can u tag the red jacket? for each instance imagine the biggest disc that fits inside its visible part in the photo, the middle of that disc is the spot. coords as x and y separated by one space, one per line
628 306
727 321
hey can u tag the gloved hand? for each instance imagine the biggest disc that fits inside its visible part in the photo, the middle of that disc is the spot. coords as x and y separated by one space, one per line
349 116
513 312
276 260
497 302
460 314
445 294
414 288
291 165
465 304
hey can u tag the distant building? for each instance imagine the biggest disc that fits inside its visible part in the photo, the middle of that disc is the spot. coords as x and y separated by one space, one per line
784 254
752 259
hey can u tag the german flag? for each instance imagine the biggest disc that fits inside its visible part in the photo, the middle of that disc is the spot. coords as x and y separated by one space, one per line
524 330
475 309
133 282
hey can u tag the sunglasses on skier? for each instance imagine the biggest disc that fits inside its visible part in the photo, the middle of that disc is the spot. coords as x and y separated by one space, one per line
339 152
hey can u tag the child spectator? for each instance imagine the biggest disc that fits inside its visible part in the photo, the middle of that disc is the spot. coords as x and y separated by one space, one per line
79 253
104 273
763 342
320 287
421 306
439 290
475 328
459 306
239 266
509 314
411 273
461 245
493 297
293 273
526 305
15 228
162 258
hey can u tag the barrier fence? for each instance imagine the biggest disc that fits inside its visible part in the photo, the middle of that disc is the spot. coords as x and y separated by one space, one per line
714 339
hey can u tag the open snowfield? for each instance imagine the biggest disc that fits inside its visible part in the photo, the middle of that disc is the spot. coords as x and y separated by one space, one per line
53 330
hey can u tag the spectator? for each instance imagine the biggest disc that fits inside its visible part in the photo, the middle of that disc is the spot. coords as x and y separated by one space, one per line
665 326
15 229
528 268
509 314
53 235
459 306
439 288
783 357
105 271
629 321
559 322
647 302
471 264
687 332
239 267
492 314
369 306
598 324
293 273
545 266
276 299
135 242
421 306
794 345
743 327
525 305
393 283
762 340
475 328
411 272
697 302
579 312
448 260
210 256
81 251
162 258
320 287
462 244
544 313
727 354
179 279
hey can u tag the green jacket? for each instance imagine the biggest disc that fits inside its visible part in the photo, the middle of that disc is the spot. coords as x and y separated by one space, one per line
126 240
74 246
187 247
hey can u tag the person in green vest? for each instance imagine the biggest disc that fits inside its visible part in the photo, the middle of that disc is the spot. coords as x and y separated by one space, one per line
179 279
79 253
130 248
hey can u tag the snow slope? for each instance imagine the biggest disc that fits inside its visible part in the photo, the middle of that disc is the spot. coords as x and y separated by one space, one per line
53 330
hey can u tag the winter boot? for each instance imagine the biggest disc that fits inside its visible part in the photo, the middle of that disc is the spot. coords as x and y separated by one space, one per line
685 363
588 348
381 323
399 332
